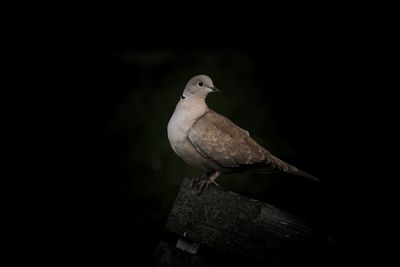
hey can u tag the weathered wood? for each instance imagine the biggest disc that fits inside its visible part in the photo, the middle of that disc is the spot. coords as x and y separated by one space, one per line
168 255
235 225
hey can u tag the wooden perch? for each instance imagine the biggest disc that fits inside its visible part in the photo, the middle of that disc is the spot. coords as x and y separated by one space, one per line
234 226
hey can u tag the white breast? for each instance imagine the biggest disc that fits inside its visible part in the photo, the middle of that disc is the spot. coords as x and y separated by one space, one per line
186 113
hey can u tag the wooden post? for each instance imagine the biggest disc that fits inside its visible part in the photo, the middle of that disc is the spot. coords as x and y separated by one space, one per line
224 228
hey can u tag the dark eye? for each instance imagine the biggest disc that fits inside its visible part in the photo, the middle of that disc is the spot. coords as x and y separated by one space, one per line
200 84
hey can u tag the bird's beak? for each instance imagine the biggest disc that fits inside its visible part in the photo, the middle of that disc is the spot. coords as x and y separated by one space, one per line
214 89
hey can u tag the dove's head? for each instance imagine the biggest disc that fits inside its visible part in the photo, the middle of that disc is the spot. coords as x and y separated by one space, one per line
199 87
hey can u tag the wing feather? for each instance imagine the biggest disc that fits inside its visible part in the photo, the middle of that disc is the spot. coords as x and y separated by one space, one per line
230 146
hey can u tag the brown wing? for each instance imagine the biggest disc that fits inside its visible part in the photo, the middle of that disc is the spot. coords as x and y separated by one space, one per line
219 139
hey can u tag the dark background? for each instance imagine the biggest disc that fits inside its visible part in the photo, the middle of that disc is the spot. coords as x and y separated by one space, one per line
119 176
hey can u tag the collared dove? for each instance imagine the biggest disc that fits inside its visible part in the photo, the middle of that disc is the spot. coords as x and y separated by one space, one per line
211 142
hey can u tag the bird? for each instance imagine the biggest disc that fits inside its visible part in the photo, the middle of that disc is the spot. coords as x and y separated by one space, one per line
214 144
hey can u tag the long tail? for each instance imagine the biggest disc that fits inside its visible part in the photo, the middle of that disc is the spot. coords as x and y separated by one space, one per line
273 164
295 171
288 169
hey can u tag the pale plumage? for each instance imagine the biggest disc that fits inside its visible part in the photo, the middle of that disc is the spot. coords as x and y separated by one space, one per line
207 140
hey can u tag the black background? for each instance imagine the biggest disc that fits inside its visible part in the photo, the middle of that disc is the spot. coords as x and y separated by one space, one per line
111 195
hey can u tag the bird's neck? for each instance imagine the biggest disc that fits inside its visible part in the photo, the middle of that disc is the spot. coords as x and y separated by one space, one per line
191 101
192 105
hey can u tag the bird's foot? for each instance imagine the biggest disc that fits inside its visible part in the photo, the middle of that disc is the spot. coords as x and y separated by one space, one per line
204 180
195 180
205 183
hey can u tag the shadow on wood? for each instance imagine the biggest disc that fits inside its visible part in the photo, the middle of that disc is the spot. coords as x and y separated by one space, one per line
222 228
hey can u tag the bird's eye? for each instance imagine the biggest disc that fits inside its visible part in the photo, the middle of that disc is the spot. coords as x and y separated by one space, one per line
200 84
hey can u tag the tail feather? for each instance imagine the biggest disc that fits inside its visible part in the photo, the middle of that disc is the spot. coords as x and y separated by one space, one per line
286 167
290 169
273 164
299 172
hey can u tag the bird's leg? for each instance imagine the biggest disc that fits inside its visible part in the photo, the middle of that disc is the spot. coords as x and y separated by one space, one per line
205 183
197 179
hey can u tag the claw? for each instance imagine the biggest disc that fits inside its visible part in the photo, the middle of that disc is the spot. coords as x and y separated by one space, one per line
204 180
195 180
204 184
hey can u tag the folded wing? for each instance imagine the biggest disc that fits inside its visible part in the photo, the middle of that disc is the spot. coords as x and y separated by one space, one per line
222 141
